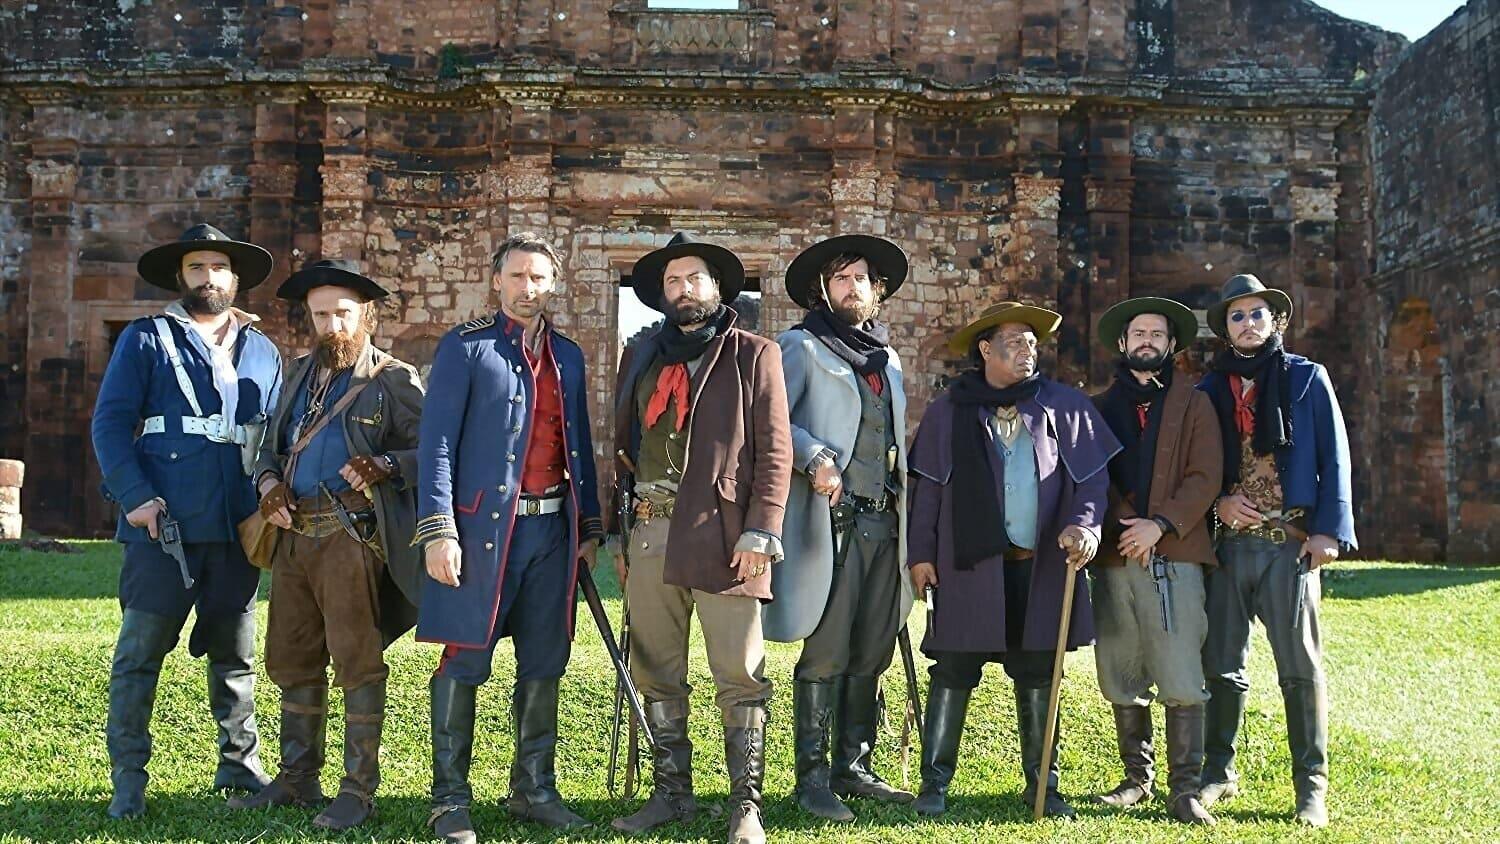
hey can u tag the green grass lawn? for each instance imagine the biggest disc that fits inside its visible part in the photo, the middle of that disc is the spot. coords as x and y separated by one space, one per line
1414 688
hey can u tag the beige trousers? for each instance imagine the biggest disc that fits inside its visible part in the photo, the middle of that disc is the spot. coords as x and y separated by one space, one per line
659 616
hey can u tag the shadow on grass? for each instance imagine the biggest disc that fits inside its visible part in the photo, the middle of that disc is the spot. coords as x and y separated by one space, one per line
1381 581
204 817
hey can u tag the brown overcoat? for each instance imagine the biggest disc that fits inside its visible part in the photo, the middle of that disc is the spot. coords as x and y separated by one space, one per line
1185 477
739 458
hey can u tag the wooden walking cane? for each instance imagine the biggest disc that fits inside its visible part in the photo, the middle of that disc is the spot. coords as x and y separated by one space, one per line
1053 699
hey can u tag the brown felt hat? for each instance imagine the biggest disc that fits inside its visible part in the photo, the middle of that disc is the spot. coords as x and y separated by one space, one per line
1044 322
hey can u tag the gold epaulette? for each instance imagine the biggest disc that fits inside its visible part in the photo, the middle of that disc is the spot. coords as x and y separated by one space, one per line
474 325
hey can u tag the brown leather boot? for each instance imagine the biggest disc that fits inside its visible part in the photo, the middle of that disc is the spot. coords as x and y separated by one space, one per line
364 715
1185 761
1133 734
304 723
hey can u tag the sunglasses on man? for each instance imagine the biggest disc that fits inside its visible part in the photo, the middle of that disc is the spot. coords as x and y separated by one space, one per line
1254 315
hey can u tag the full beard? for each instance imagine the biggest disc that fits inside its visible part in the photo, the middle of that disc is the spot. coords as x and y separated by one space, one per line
855 312
691 311
207 300
1147 360
338 350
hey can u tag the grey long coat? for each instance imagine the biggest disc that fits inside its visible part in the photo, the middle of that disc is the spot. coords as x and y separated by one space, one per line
823 398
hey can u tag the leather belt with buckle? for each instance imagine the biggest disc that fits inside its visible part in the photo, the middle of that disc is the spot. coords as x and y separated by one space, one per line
1279 529
539 506
646 510
871 505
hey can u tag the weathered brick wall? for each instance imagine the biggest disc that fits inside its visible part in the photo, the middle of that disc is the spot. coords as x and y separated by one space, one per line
1068 152
1427 353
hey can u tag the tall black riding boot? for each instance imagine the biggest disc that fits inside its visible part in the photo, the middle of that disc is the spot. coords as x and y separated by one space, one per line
144 641
1031 719
533 778
814 706
1307 737
946 709
745 757
671 770
452 751
1221 724
229 643
858 725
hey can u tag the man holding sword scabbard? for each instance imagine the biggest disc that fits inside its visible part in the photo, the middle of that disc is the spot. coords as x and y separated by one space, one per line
1148 582
508 514
701 414
842 590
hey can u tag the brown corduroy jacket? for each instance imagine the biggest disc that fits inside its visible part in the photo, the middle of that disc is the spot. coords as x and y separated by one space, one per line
1186 473
739 459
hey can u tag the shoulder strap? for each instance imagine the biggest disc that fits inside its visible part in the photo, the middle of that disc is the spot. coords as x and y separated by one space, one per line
339 407
184 383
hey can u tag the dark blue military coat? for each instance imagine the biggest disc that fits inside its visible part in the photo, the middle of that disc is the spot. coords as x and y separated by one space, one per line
476 424
202 481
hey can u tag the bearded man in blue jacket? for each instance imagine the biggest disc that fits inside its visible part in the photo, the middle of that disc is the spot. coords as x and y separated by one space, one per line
198 380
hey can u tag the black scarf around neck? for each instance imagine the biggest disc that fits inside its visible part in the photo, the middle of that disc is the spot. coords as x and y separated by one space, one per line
863 347
1130 470
678 346
974 501
1271 372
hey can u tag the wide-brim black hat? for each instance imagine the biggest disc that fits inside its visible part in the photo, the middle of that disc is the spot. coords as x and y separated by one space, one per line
1180 318
160 266
330 272
886 260
646 276
1042 321
1240 287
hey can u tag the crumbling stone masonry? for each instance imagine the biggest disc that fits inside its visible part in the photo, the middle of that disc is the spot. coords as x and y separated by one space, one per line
1070 152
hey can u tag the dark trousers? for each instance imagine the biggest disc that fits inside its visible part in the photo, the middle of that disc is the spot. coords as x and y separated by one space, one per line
534 599
857 635
1256 578
224 581
1028 669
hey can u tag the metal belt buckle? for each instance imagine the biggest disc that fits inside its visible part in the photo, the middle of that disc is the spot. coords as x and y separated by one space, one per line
533 506
1277 535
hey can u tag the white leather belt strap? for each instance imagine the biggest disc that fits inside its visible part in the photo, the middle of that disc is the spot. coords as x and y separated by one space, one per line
539 506
212 428
184 383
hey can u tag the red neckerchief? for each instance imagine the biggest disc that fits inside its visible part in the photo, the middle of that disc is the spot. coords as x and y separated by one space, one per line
671 384
1244 405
